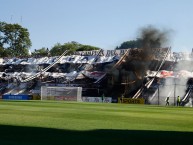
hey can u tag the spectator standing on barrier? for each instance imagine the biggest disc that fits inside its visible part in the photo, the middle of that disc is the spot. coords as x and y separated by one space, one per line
178 101
167 101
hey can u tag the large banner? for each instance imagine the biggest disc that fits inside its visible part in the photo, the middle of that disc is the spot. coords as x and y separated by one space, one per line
103 56
102 53
133 52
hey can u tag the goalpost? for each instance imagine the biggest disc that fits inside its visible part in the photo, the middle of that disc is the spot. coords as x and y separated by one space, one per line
61 93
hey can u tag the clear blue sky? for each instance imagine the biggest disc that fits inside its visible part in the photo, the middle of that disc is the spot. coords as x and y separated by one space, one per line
102 23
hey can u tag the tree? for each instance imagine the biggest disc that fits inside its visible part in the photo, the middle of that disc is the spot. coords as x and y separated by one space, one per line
131 44
73 46
15 39
3 52
41 52
87 48
56 50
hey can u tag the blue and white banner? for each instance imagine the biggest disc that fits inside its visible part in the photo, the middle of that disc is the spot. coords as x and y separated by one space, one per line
16 97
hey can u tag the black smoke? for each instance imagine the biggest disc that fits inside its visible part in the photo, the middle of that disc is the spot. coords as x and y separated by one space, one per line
138 60
152 38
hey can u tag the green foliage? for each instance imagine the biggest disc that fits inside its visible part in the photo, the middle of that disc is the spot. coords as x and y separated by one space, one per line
73 46
3 52
130 44
15 39
41 52
87 48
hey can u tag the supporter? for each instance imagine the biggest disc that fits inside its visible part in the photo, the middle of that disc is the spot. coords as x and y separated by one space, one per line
178 101
167 101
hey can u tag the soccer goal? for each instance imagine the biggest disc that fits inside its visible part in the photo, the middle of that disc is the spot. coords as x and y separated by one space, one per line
61 93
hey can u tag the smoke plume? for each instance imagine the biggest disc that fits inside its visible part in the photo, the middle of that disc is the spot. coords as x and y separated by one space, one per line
138 60
152 38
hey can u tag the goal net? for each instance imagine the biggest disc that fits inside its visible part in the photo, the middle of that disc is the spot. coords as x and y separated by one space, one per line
61 93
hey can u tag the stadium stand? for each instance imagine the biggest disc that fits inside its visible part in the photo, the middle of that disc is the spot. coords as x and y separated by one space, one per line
113 74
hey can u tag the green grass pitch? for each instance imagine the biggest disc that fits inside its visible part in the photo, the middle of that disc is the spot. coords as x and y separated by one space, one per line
73 123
